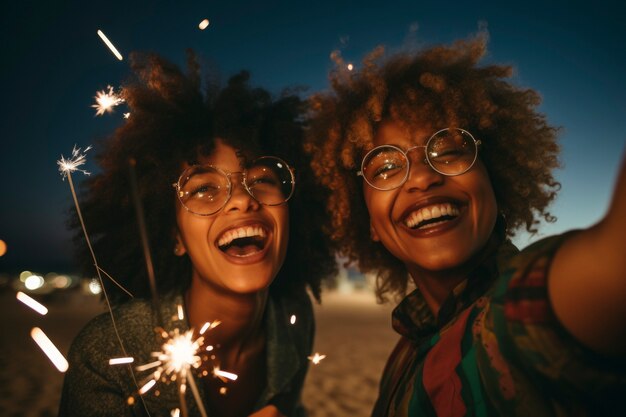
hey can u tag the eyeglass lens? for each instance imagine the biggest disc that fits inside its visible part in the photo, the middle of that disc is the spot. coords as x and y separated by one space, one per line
449 152
205 189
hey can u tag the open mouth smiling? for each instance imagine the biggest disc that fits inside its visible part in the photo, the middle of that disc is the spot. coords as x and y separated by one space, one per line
243 241
431 215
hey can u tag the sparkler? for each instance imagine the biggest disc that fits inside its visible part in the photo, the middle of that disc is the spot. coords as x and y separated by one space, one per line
49 349
106 100
110 45
32 303
66 167
178 358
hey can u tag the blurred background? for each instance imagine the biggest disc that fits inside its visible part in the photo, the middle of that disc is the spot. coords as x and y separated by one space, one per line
54 63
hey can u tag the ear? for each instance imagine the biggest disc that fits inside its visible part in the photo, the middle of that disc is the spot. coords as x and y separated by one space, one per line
374 233
179 246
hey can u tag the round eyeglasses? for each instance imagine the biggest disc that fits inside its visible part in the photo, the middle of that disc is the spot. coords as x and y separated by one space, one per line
450 151
205 189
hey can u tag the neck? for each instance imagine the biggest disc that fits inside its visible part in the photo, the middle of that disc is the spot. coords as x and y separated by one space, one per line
436 286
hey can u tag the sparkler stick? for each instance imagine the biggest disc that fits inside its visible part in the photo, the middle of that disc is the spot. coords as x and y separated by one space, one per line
144 241
115 282
110 45
196 394
66 167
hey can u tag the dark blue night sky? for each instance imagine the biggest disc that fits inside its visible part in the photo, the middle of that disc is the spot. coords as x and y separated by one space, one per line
53 63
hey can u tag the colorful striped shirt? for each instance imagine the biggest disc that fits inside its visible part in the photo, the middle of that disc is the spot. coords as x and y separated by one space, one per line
496 349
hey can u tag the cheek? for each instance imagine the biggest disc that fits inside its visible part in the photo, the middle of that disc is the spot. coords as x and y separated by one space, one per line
486 206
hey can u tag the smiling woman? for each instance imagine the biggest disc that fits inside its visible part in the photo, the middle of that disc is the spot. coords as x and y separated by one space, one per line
225 249
453 160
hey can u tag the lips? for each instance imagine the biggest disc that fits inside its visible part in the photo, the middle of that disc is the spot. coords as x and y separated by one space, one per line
431 213
243 240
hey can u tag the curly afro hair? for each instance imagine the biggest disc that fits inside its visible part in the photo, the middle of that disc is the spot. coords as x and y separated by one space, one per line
174 121
438 87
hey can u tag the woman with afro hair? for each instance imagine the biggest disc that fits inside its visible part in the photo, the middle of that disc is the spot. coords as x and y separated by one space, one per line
220 173
433 161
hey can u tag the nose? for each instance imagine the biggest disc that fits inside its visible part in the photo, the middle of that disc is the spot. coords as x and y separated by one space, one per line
240 199
421 175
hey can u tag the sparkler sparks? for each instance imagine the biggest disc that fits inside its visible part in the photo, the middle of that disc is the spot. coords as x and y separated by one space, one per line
67 166
49 349
106 100
178 355
204 24
110 45
292 320
316 358
32 303
223 375
120 361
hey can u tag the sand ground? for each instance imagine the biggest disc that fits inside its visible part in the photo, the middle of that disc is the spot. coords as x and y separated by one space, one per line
352 331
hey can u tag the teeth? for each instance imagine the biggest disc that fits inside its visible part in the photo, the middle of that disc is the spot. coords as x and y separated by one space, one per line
240 232
431 212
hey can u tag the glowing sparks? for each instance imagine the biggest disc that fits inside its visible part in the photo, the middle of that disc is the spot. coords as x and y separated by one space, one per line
147 386
316 358
209 326
180 353
223 375
120 361
181 312
175 412
126 115
67 166
178 356
350 67
292 320
49 349
106 100
110 45
204 24
32 303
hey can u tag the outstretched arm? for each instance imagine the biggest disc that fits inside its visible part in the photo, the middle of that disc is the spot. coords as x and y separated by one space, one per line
587 279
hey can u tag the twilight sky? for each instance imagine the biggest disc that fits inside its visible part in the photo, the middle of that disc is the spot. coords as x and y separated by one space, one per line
53 62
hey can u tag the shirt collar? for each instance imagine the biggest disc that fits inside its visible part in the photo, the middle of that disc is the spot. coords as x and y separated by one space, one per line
413 319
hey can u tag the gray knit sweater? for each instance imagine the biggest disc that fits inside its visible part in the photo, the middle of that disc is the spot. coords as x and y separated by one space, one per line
92 387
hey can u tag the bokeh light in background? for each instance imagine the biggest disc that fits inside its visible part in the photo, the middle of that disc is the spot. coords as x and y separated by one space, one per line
3 247
33 282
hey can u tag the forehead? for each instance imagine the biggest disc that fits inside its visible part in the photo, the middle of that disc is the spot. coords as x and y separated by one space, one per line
224 156
392 132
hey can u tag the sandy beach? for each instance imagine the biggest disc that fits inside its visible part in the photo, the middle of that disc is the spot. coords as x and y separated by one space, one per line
352 331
